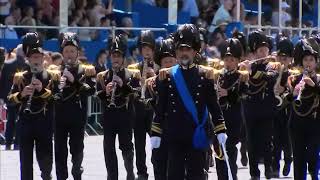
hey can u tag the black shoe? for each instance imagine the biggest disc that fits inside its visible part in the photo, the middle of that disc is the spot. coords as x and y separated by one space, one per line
286 169
268 172
255 178
8 147
142 177
244 160
275 174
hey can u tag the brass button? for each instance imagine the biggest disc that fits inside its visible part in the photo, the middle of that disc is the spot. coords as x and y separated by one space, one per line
199 85
173 102
202 78
169 79
170 86
197 102
174 110
198 94
171 95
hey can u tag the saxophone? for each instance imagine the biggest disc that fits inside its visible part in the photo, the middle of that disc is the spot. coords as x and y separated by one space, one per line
277 84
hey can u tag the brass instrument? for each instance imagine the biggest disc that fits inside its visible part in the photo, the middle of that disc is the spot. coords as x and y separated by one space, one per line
66 67
277 84
114 88
143 79
298 99
27 109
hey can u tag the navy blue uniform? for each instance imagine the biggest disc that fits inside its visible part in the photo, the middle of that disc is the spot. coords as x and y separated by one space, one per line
304 130
259 109
70 121
36 126
281 140
10 67
142 125
118 120
174 123
231 108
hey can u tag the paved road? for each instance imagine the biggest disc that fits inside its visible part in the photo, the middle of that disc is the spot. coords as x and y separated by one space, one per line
93 164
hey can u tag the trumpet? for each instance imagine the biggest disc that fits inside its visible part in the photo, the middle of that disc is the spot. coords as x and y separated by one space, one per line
114 88
277 84
27 109
298 101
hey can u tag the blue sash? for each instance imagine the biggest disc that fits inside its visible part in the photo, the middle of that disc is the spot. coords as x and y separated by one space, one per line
200 139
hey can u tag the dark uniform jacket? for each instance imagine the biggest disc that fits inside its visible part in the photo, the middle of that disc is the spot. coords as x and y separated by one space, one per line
172 120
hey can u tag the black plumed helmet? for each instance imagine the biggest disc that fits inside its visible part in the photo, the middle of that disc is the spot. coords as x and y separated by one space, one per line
242 38
146 38
119 44
257 39
233 48
285 47
187 35
165 48
32 43
303 48
69 39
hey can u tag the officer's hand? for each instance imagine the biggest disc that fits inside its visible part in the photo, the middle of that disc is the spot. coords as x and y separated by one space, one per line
245 65
37 84
222 138
68 75
150 72
109 88
155 142
279 89
118 80
27 91
63 82
222 92
309 81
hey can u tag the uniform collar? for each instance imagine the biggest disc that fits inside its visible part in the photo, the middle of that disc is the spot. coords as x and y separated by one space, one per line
187 67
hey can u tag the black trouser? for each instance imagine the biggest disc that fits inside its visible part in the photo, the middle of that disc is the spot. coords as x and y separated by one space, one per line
281 139
11 125
117 122
185 162
142 126
233 122
259 122
159 160
305 138
69 122
35 130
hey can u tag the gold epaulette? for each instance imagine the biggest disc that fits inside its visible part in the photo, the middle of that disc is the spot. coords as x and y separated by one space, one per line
89 70
163 73
18 78
295 71
133 66
208 71
244 76
135 73
274 65
55 74
215 63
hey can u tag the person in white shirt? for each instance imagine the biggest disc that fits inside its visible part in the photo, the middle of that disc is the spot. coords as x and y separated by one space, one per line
285 16
223 14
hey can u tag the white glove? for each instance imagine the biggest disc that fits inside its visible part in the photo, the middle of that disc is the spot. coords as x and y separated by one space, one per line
222 138
155 142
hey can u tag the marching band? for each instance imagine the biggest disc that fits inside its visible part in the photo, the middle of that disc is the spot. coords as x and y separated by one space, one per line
191 106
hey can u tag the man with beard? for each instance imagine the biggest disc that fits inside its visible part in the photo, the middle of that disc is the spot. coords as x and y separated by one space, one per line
186 96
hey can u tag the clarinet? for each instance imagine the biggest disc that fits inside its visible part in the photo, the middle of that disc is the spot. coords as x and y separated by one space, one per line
27 109
298 101
114 88
143 79
66 67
